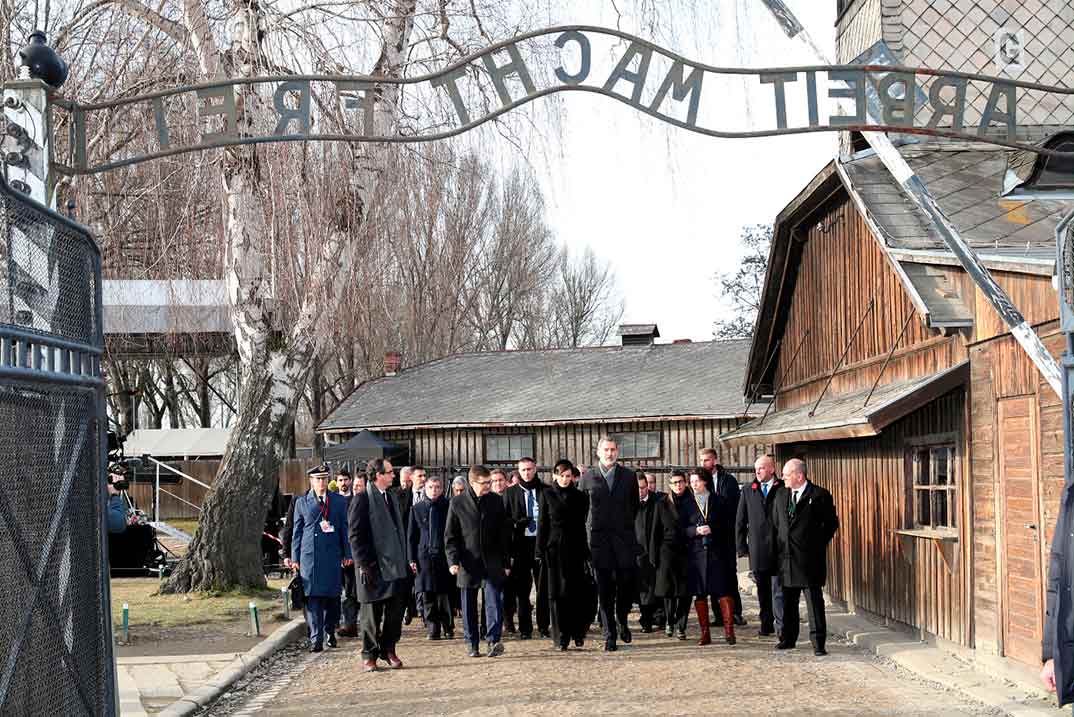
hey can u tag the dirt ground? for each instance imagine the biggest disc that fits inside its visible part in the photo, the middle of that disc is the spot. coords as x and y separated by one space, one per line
653 676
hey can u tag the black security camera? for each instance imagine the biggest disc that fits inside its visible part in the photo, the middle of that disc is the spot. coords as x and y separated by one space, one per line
42 61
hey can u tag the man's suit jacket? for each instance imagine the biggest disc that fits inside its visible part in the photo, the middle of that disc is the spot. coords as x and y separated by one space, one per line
753 526
514 500
612 541
404 501
801 541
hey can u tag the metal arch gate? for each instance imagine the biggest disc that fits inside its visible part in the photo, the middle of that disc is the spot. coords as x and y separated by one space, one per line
53 550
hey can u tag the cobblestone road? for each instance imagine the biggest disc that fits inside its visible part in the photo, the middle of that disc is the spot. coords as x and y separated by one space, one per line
653 676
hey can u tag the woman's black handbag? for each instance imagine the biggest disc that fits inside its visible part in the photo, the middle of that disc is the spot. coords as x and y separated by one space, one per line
298 593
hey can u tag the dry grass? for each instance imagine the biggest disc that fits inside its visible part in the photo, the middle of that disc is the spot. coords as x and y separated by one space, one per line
148 608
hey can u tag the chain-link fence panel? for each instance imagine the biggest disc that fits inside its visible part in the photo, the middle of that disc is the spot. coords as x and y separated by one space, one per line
56 642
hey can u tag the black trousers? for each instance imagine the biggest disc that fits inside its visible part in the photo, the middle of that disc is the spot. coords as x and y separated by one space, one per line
525 573
677 609
616 590
438 613
350 598
652 613
818 624
382 625
770 595
567 618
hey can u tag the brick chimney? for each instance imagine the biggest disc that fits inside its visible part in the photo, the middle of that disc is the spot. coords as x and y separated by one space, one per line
677 342
392 361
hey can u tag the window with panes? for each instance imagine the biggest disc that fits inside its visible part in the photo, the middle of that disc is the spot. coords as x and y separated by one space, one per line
934 482
637 445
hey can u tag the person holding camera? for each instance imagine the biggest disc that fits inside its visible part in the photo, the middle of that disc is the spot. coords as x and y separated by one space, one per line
117 505
378 543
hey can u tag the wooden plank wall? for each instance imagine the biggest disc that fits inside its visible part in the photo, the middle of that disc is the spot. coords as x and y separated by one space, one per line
576 442
1000 369
292 480
841 269
870 567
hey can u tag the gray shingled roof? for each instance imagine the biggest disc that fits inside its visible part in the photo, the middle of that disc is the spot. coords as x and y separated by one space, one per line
700 380
968 186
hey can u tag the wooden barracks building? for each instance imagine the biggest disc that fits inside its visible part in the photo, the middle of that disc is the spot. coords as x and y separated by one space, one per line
662 402
892 375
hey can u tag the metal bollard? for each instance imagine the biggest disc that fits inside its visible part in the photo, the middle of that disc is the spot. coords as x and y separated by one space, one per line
255 622
126 624
285 598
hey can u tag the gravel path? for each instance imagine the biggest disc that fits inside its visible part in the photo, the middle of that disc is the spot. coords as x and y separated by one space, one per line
653 676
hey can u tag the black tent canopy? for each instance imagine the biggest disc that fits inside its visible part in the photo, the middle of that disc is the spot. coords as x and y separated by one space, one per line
363 446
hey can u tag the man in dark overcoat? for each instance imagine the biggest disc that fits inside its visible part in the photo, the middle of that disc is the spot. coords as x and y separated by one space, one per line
404 496
428 562
613 504
650 606
523 502
477 541
378 541
1057 649
753 530
350 581
728 490
319 549
804 522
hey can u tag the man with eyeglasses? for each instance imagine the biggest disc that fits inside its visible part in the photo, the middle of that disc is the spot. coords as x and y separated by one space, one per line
378 542
477 542
319 548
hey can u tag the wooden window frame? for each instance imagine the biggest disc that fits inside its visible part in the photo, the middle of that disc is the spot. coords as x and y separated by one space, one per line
932 444
507 461
617 437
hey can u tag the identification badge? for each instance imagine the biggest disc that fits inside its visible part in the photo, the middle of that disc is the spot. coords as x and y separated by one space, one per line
327 527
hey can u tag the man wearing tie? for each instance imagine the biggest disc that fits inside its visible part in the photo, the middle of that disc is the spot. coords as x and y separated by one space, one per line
753 529
319 549
613 505
522 502
804 522
378 542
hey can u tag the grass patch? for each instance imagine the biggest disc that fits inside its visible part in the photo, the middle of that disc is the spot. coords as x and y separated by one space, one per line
148 608
187 525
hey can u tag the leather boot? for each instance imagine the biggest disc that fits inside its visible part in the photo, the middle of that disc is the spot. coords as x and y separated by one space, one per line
727 610
702 608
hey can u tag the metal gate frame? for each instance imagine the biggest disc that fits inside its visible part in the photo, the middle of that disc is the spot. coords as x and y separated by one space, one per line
51 343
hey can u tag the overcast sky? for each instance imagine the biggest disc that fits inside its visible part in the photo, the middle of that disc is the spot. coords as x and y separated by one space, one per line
666 205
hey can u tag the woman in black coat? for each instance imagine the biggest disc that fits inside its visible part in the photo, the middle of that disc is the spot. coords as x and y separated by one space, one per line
563 549
667 550
708 521
428 519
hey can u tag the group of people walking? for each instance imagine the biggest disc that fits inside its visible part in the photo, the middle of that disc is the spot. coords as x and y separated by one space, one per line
594 543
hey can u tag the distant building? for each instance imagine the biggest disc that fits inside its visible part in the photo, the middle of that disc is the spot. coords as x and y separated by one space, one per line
661 401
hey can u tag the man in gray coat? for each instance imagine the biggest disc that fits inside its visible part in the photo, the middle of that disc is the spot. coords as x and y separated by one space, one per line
378 544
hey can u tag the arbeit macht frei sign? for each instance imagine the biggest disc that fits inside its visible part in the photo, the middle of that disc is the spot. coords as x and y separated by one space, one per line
697 97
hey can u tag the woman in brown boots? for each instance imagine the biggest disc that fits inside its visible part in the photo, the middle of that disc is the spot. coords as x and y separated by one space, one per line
706 519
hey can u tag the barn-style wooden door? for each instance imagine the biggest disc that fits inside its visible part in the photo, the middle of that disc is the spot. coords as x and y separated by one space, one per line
1023 610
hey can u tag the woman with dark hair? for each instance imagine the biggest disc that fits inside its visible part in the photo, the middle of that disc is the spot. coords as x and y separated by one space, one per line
667 550
707 520
563 549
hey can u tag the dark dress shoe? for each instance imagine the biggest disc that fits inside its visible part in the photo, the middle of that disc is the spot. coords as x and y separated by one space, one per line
646 629
819 651
624 635
525 636
474 652
316 648
669 631
495 649
785 645
394 662
369 665
609 646
681 634
562 647
579 642
332 641
347 631
739 620
544 633
449 634
509 628
432 636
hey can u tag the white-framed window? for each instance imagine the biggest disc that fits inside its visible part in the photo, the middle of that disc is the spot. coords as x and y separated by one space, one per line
508 448
934 482
638 444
